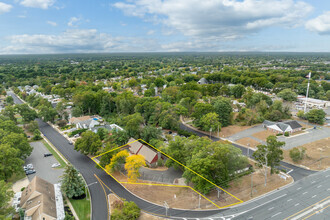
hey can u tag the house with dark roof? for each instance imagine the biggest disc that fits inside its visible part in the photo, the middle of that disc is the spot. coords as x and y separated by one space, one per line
282 127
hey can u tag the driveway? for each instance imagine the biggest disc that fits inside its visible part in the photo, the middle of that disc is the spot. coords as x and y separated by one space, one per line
311 135
167 176
43 165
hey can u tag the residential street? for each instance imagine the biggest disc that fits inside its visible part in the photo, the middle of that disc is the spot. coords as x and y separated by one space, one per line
281 204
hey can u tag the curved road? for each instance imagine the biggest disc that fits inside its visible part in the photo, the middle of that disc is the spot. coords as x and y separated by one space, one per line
99 190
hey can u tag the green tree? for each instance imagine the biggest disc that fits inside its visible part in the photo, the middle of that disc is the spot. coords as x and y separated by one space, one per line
6 195
237 91
316 116
269 155
102 133
9 111
32 126
301 114
201 109
10 162
72 183
159 82
48 113
89 143
37 135
18 141
9 100
210 121
133 124
26 113
222 107
287 95
150 132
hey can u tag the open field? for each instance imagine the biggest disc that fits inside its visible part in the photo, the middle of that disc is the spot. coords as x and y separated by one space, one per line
247 141
232 129
315 151
263 135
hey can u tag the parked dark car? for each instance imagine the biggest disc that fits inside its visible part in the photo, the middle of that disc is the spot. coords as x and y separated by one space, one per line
28 172
48 154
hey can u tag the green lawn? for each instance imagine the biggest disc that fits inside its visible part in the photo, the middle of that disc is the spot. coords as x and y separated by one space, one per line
82 207
57 157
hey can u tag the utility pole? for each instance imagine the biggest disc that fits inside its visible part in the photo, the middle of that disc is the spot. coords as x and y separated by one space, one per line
199 201
218 132
210 132
251 183
309 78
166 207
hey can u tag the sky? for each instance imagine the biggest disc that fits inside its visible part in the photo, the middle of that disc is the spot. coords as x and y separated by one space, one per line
101 26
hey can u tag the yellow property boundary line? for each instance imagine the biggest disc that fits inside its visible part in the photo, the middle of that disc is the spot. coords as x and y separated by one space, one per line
240 201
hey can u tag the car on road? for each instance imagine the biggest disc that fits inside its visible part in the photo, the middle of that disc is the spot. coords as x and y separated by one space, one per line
48 154
56 165
28 172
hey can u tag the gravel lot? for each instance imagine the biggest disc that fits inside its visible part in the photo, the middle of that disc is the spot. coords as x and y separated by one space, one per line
43 165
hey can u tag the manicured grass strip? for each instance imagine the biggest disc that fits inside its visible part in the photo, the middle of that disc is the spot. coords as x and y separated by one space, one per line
82 207
57 157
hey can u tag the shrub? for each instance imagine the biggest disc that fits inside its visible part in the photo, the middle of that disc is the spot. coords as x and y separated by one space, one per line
61 123
118 205
286 134
79 131
279 134
22 189
37 135
160 162
185 133
297 154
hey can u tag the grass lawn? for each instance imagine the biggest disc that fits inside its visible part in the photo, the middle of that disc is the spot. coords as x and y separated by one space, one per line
57 157
82 207
17 176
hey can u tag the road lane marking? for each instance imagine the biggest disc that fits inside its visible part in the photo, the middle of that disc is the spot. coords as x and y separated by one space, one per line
318 186
276 214
313 196
299 188
305 193
305 208
271 208
106 196
289 200
317 212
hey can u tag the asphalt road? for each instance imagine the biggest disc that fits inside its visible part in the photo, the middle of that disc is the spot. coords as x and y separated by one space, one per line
296 172
278 205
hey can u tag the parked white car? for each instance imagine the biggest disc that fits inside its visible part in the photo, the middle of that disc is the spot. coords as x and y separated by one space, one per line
56 165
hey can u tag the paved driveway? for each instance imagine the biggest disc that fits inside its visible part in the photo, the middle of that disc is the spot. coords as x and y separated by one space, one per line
43 165
167 176
311 136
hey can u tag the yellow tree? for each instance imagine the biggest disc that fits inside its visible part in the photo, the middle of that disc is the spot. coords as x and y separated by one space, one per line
116 161
132 165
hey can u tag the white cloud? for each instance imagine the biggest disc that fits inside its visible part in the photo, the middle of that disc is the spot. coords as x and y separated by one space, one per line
43 4
73 21
320 24
220 19
52 23
75 41
150 32
5 7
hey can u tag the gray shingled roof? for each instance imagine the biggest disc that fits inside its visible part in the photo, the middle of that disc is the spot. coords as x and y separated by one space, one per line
293 124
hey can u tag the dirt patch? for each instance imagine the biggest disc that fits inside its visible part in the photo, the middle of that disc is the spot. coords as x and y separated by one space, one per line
263 135
146 216
317 155
232 129
20 184
247 141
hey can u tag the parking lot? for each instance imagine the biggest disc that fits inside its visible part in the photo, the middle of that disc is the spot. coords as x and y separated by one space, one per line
43 165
